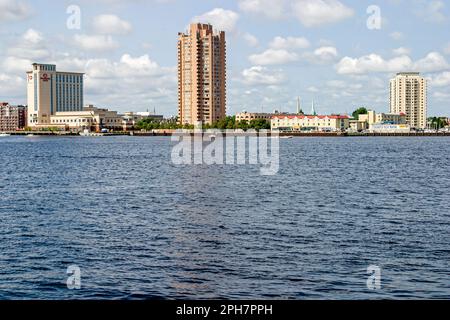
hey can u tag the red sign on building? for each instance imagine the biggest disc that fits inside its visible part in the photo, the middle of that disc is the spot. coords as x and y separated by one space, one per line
45 77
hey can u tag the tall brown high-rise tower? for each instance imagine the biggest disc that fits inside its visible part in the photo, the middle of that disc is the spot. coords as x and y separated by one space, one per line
201 75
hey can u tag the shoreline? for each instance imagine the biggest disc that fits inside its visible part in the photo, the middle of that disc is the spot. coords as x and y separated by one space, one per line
236 134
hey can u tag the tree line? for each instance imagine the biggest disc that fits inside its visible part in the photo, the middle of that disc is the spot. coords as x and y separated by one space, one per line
223 124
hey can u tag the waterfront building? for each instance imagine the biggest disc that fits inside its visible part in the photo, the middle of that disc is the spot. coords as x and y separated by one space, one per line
358 125
383 118
50 92
131 119
89 118
12 118
328 123
389 128
201 75
249 116
373 120
408 95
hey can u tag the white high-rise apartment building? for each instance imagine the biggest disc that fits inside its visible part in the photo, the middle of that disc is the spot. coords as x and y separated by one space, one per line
409 96
51 91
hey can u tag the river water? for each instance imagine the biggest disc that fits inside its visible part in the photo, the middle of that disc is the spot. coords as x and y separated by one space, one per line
140 227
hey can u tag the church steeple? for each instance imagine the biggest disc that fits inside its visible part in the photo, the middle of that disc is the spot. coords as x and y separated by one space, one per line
299 107
313 109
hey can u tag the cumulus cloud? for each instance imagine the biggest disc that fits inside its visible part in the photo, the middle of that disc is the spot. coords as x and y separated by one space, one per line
273 56
433 62
224 20
95 42
315 13
326 53
289 43
441 80
273 9
259 75
401 51
111 25
13 10
30 45
251 40
311 13
12 85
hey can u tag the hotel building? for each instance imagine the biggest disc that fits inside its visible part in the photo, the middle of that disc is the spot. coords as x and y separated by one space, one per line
333 123
201 75
12 118
409 96
50 91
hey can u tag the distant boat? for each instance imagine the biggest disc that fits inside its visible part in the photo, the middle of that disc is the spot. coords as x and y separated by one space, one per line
30 135
286 137
87 133
4 134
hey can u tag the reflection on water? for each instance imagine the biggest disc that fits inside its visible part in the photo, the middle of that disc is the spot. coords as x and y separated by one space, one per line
141 227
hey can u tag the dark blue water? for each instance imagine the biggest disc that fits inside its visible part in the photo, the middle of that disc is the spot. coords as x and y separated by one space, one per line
141 228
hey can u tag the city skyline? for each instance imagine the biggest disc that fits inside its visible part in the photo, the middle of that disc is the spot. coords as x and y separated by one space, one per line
276 52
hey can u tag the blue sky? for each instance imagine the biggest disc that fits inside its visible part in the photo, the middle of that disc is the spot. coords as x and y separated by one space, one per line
277 50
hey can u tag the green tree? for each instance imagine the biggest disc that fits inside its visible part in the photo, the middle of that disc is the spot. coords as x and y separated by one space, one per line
437 123
359 111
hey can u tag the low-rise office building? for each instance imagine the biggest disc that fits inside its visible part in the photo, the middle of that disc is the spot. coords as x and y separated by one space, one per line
249 116
388 118
382 122
131 119
12 118
90 118
330 123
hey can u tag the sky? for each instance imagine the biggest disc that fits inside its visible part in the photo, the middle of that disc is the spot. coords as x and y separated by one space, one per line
339 53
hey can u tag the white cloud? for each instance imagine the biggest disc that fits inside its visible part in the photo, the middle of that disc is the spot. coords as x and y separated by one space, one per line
33 36
12 85
251 40
441 80
95 42
131 83
261 75
16 65
433 62
431 11
314 13
273 56
289 43
31 45
273 9
13 10
221 19
313 89
111 25
401 51
326 53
